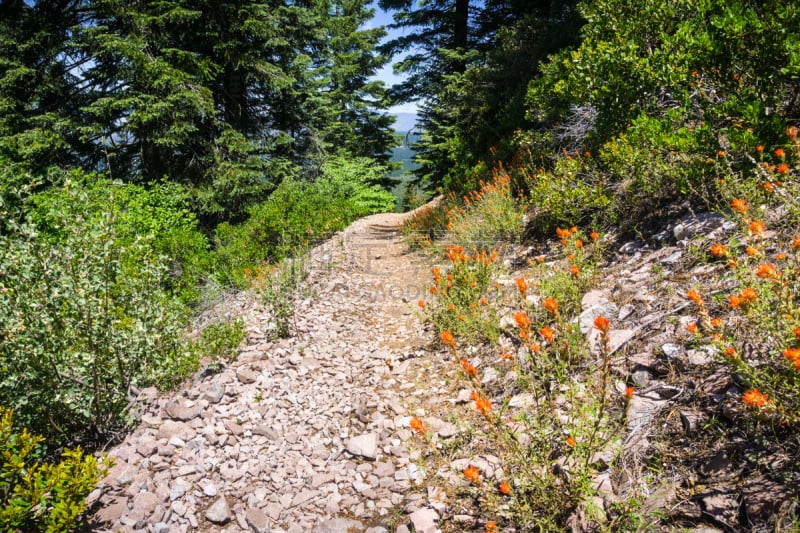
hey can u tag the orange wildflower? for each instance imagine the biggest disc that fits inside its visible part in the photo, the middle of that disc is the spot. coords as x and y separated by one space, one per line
692 327
472 474
751 251
716 322
482 404
451 307
754 398
629 392
575 270
767 271
505 488
418 425
735 301
551 304
522 285
780 256
719 250
748 295
757 227
797 332
448 339
594 236
570 441
783 168
760 148
695 297
469 369
579 243
730 351
780 153
522 320
739 205
793 355
548 334
433 290
490 527
601 323
506 356
563 233
792 132
421 304
535 348
796 243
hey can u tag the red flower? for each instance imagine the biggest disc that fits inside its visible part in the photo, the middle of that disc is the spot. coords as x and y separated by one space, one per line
472 474
695 297
570 441
483 405
754 398
418 425
551 304
757 227
719 250
505 488
767 271
448 339
739 205
793 355
780 153
601 323
548 334
469 369
522 285
783 168
629 392
522 320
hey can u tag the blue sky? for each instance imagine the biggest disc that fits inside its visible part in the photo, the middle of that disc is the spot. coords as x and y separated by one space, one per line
382 18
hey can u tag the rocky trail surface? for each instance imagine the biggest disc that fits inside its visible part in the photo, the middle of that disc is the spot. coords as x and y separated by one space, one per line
299 434
311 433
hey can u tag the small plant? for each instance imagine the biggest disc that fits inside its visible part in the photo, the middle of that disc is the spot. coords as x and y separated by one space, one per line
220 339
40 496
277 287
460 295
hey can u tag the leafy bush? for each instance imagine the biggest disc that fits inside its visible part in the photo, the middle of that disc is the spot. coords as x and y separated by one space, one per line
40 496
568 194
298 214
85 314
159 213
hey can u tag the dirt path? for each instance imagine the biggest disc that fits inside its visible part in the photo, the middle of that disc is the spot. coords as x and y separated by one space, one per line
303 434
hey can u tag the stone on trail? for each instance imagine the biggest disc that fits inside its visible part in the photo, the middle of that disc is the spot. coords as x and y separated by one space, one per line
425 520
338 525
219 513
364 446
257 520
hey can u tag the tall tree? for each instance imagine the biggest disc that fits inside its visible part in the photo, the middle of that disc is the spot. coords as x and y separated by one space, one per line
442 34
470 65
356 124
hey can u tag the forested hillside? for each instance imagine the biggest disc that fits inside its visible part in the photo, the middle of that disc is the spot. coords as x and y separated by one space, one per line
156 156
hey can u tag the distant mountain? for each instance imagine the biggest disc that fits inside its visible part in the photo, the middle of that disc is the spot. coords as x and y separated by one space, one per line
405 121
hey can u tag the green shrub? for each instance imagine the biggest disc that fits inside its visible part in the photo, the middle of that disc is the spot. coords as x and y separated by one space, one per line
298 214
40 496
85 314
160 213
